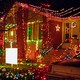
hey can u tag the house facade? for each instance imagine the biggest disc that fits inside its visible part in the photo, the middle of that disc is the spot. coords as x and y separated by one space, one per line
31 30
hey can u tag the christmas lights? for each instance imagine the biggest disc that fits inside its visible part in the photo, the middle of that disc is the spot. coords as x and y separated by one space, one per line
52 13
23 26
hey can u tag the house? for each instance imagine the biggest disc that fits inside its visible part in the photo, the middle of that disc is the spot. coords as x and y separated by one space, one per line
31 28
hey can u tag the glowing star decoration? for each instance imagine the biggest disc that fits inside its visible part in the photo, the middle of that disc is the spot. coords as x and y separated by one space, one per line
57 28
11 55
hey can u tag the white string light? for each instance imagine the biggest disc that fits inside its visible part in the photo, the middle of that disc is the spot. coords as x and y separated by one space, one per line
55 14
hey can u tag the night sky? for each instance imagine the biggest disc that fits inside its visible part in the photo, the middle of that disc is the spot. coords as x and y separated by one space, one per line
59 5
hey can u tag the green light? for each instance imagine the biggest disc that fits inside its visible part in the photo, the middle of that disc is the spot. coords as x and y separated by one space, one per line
35 64
29 64
29 30
0 52
10 25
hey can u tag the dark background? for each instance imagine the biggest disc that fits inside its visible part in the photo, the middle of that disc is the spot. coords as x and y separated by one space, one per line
58 5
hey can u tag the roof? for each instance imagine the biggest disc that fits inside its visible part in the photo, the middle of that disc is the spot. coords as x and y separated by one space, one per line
62 8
